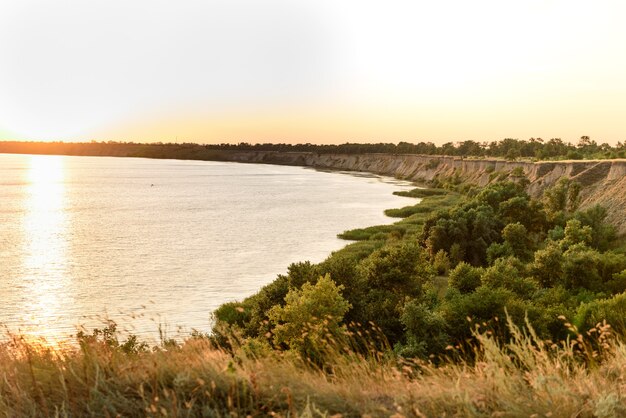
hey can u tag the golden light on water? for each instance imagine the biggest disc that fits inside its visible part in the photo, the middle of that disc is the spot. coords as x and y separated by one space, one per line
45 228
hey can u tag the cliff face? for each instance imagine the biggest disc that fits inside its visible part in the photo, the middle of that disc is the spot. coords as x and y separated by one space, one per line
603 181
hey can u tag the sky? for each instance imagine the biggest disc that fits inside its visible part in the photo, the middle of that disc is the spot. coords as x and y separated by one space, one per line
321 71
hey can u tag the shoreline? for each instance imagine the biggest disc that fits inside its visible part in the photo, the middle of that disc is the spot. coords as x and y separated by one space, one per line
603 181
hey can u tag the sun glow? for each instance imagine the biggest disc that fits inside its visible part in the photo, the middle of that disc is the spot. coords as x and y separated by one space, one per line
354 70
45 246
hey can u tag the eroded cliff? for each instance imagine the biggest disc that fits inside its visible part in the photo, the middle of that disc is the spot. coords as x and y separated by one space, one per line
603 181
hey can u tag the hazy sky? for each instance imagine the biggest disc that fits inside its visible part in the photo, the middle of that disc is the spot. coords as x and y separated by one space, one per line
317 71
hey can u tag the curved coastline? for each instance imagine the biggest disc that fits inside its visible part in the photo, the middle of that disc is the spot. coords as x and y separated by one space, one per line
603 181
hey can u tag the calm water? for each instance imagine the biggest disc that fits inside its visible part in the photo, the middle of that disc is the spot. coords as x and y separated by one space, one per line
148 242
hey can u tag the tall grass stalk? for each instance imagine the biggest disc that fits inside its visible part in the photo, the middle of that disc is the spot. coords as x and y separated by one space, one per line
584 376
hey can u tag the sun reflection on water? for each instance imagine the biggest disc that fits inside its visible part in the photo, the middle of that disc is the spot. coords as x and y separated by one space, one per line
45 229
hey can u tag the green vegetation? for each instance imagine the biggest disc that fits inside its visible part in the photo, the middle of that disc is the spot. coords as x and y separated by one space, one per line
310 318
421 192
454 257
428 206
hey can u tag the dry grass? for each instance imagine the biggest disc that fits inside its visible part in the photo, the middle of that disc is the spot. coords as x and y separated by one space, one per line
582 377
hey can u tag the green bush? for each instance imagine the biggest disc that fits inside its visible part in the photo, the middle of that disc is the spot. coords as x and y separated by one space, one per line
426 331
310 317
465 278
580 268
441 262
612 310
392 275
548 265
509 273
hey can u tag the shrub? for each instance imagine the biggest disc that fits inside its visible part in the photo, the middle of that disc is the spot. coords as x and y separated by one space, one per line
516 237
465 278
508 273
426 331
612 310
310 316
392 275
575 233
618 283
441 262
547 267
580 268
421 192
432 164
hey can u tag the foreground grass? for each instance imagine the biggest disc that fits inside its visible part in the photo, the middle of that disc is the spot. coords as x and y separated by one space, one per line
583 377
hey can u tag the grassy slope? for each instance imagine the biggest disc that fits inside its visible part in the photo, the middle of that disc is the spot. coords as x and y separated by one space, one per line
523 378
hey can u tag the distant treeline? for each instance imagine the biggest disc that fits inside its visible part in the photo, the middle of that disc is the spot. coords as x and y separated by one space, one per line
511 149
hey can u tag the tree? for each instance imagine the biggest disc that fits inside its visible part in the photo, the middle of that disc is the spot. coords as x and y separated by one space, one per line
498 250
472 228
512 154
441 262
575 233
601 233
251 315
426 331
310 316
403 268
547 267
457 254
465 278
516 237
509 273
580 268
392 276
562 197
